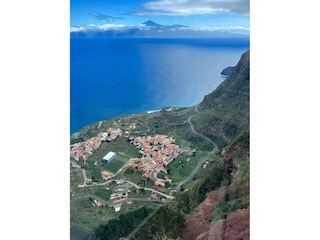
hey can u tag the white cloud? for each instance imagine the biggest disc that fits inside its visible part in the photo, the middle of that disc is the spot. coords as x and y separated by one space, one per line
230 29
106 27
193 7
123 28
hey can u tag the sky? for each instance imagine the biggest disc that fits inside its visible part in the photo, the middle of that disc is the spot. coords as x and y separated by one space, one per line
195 13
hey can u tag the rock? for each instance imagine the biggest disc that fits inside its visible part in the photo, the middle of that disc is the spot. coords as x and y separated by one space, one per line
227 71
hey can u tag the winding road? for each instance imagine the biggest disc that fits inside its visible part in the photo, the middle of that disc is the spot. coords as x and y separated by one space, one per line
134 185
200 162
151 189
113 203
216 149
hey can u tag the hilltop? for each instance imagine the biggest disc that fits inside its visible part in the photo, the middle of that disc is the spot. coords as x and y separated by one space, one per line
152 24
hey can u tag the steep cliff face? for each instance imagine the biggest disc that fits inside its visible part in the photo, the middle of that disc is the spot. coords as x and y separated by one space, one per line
235 227
224 117
224 214
224 113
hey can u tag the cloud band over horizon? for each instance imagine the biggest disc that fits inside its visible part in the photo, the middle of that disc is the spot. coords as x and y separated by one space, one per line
240 30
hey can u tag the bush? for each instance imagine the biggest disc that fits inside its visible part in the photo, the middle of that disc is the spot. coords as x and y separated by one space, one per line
103 193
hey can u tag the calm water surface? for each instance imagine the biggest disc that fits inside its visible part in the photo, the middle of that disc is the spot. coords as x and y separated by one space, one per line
115 77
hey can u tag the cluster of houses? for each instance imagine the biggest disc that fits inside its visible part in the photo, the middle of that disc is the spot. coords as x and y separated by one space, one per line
112 133
129 128
157 152
157 147
85 149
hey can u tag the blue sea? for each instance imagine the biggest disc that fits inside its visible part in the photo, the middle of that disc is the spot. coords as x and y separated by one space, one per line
115 77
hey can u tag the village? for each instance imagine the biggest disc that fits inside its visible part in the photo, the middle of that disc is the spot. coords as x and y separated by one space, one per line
156 152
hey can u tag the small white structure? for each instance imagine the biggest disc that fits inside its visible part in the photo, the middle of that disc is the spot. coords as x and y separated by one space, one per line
110 156
117 208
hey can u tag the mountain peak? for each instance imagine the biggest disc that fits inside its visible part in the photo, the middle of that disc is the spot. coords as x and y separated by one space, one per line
151 24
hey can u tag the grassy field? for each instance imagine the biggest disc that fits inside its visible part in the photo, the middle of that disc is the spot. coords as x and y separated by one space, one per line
180 168
135 177
119 145
87 218
115 164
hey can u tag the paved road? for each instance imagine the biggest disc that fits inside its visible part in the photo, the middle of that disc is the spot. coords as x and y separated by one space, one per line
166 162
151 189
113 203
85 179
196 108
137 200
216 149
134 185
200 162
193 173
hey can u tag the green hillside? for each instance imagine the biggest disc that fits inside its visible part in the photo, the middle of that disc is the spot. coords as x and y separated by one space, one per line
224 113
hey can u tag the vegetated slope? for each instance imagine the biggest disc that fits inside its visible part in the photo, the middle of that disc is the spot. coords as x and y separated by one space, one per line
122 226
224 113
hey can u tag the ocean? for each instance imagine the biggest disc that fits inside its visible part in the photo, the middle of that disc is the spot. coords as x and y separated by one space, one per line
115 77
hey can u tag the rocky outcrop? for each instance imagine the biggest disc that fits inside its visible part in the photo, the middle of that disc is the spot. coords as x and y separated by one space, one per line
227 71
235 227
198 225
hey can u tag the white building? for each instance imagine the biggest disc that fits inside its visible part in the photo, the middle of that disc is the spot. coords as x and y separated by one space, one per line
110 156
117 208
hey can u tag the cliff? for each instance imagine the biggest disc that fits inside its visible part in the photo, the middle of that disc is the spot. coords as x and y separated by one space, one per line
224 113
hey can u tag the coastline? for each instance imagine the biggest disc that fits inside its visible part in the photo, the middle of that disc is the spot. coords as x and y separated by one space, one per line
153 111
75 134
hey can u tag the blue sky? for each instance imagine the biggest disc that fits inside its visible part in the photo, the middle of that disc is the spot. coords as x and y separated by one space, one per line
215 13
